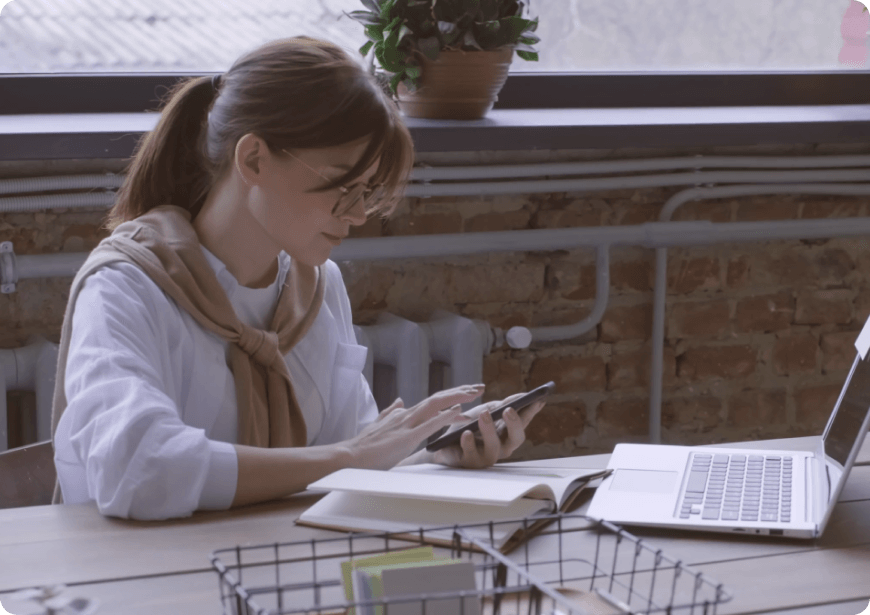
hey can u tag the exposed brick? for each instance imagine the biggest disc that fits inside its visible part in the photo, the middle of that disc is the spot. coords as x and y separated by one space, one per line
838 351
792 269
832 266
503 377
813 405
557 422
573 282
625 213
765 313
632 322
737 275
622 417
795 354
759 210
696 414
505 284
862 307
633 275
425 224
698 319
687 276
498 221
829 207
714 211
571 374
631 369
369 292
816 307
720 362
565 218
750 409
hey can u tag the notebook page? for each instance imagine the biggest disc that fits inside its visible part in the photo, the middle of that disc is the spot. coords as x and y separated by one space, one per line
435 485
559 480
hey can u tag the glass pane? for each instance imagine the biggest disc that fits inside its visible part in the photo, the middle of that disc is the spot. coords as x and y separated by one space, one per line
45 36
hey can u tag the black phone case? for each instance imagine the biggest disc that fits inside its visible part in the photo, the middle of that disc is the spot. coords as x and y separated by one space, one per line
526 400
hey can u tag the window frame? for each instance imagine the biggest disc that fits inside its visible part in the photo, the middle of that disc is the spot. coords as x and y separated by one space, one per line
534 110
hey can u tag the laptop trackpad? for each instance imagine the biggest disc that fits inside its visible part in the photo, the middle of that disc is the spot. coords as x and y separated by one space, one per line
645 481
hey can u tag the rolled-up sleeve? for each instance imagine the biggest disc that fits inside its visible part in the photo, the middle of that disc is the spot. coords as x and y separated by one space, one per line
141 461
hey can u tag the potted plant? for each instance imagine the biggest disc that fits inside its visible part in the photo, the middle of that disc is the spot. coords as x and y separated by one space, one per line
445 59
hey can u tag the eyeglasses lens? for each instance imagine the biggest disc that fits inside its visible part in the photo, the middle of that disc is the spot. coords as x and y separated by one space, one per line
348 201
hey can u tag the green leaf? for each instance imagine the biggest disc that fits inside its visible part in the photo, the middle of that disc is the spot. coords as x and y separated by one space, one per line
375 33
404 31
366 48
527 55
364 17
529 38
372 5
413 71
523 47
430 47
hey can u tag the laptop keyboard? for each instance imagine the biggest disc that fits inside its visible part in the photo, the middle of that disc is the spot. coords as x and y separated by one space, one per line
738 487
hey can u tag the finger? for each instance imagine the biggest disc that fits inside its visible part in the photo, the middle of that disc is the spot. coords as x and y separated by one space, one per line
396 404
444 418
470 455
491 441
516 433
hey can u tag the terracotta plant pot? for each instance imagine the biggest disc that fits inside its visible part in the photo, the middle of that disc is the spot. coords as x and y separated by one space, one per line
459 85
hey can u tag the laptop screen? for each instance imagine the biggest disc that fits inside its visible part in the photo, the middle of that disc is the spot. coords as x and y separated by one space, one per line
850 415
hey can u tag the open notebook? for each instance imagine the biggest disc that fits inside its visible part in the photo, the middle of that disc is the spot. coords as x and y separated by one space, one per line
429 495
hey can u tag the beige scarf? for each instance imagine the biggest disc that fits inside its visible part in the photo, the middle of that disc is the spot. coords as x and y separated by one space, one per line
164 244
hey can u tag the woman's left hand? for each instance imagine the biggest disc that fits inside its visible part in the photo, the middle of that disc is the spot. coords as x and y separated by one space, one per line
496 440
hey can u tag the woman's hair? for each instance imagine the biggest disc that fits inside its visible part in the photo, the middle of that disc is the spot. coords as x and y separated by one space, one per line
294 93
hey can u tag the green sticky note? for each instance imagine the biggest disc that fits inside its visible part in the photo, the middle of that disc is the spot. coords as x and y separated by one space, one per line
373 576
417 554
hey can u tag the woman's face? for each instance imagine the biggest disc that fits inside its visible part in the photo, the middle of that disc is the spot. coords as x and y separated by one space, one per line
299 221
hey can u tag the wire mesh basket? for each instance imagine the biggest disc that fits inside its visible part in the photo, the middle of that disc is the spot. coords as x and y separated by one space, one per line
575 566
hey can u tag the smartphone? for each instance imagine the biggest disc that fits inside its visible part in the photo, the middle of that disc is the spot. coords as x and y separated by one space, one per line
518 404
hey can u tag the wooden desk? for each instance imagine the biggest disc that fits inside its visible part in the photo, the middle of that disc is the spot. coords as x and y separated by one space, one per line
162 567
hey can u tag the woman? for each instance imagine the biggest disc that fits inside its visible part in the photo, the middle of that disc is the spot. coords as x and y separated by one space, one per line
207 356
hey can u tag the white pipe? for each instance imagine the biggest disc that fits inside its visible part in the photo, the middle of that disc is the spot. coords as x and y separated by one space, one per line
29 368
622 183
456 341
426 175
401 344
86 200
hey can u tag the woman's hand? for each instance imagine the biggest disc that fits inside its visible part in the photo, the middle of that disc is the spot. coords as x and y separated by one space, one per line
496 441
398 430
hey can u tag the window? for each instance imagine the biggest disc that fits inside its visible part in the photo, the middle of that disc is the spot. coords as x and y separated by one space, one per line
70 36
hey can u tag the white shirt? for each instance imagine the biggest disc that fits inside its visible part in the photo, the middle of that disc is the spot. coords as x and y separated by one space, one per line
151 410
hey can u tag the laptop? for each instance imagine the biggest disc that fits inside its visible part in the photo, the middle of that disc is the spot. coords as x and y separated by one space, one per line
748 491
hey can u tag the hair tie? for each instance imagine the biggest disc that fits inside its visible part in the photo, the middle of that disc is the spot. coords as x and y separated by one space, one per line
215 82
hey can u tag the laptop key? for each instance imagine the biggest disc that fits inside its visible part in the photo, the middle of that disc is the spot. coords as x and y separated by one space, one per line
710 513
729 515
697 481
768 516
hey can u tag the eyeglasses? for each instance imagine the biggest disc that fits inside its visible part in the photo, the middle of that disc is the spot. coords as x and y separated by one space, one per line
348 198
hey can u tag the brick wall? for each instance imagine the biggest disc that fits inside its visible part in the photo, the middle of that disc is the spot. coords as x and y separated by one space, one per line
758 336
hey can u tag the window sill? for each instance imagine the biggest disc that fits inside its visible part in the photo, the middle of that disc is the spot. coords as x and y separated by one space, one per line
114 135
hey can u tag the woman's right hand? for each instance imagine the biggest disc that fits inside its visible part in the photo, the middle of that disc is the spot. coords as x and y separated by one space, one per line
398 431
